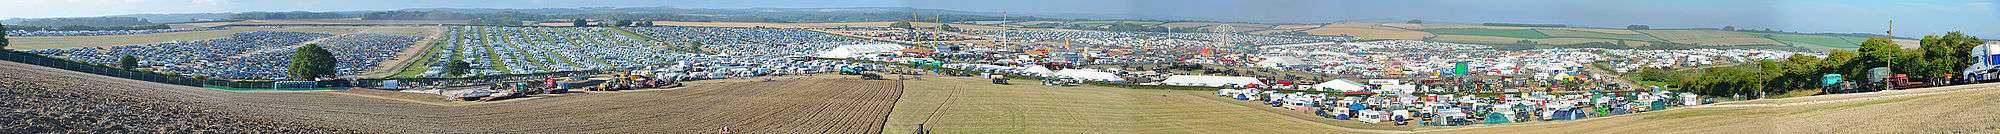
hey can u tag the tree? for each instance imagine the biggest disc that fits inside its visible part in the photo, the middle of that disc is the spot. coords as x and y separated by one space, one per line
947 27
696 47
1878 51
1637 27
580 23
1913 63
3 37
901 24
128 62
310 62
1801 72
1949 53
1728 28
622 23
1840 62
1416 22
456 67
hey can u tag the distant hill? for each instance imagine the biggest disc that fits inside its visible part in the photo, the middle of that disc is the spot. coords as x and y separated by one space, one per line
84 21
1507 35
177 18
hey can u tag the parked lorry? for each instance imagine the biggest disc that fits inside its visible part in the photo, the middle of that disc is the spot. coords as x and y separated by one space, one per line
1985 64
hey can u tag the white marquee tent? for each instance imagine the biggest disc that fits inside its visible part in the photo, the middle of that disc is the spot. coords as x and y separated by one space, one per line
850 51
1208 81
1341 85
1088 75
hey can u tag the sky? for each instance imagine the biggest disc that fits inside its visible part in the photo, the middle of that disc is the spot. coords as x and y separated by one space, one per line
1913 17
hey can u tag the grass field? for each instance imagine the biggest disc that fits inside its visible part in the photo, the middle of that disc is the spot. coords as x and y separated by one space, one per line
968 105
422 62
1710 37
1296 26
1510 33
1573 41
1369 31
1814 40
1477 39
1591 34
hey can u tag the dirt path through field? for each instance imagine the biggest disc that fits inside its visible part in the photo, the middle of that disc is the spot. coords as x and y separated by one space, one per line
404 59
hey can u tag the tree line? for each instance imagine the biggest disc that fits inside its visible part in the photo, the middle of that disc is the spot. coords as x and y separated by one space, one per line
1938 57
86 21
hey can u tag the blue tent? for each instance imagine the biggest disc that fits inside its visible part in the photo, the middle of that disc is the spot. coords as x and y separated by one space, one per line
1562 114
1357 106
1496 118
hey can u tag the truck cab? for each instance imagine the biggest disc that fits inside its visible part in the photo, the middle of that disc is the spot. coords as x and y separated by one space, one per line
1985 63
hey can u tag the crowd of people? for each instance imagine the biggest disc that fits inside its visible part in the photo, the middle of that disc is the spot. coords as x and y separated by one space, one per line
103 32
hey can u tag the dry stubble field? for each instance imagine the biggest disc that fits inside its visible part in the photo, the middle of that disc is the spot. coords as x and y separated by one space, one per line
788 106
970 105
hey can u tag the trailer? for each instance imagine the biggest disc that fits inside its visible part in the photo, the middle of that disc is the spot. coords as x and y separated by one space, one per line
998 79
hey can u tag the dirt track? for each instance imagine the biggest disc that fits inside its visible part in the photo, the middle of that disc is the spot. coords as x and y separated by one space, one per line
70 101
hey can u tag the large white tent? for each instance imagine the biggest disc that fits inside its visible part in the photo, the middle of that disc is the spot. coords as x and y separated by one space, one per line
850 51
1038 71
1208 81
1088 75
1279 61
1341 85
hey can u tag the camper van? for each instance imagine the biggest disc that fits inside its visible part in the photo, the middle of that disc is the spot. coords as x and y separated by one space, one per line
1985 63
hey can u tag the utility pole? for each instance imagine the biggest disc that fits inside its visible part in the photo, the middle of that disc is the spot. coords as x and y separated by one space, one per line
1892 62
